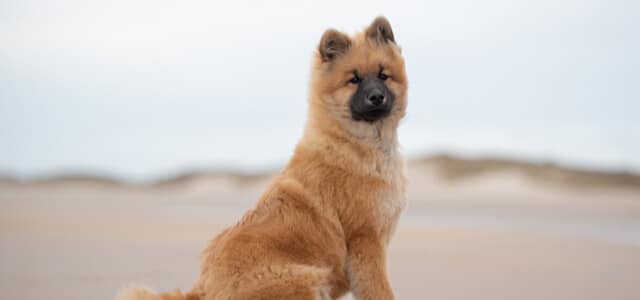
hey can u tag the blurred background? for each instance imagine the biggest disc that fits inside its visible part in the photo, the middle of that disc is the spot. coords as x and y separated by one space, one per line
131 132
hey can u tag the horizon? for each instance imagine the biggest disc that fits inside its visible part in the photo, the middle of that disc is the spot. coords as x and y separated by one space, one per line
510 163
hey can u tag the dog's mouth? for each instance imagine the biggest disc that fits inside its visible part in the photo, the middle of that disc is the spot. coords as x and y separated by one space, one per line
371 115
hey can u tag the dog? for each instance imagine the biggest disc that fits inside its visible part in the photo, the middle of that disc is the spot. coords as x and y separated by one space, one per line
322 226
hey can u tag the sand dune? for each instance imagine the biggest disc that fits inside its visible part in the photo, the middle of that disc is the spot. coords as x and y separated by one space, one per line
481 229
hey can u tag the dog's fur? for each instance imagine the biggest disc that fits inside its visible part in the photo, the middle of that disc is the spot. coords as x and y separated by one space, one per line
322 227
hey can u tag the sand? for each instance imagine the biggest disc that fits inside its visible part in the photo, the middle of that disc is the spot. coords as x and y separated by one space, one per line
497 235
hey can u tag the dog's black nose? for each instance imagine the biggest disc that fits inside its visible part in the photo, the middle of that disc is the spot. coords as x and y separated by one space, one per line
375 98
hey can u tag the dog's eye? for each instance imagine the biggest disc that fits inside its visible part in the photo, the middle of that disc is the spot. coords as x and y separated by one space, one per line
355 80
383 76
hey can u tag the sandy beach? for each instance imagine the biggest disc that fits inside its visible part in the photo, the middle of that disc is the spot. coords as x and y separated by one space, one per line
498 233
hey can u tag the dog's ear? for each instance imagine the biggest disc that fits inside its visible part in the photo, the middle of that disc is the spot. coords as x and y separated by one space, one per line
380 31
333 44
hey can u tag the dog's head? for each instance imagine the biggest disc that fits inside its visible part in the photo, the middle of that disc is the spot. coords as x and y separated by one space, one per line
360 78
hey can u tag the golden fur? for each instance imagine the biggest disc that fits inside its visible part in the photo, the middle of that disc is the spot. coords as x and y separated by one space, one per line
322 226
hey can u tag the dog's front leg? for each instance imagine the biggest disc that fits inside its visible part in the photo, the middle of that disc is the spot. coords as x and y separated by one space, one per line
366 268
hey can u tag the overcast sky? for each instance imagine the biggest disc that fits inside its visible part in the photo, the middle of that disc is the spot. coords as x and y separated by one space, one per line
143 89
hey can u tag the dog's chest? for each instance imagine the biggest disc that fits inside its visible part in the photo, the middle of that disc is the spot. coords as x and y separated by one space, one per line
391 200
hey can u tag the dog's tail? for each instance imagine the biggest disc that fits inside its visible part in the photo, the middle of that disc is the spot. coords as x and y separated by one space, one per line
143 293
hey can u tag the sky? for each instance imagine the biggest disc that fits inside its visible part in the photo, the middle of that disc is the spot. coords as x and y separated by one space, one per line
143 89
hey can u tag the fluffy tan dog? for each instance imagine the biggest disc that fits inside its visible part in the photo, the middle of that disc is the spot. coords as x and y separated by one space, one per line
322 227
